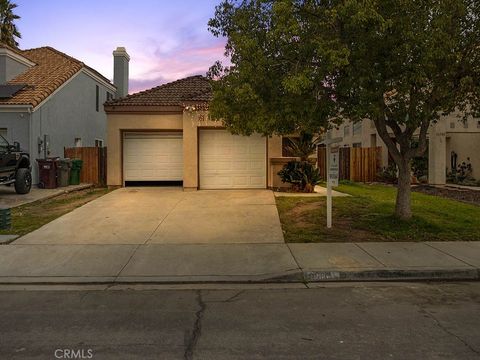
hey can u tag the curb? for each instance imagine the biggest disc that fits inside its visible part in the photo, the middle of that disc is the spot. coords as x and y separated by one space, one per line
392 275
305 277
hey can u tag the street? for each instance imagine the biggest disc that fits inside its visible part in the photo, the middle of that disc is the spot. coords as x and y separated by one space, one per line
329 321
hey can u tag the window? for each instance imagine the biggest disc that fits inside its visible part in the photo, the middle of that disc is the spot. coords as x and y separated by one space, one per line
357 128
465 124
78 142
109 96
346 131
98 143
478 124
97 97
3 132
357 145
452 125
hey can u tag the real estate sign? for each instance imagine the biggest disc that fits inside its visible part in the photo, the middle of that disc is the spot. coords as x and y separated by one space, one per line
333 166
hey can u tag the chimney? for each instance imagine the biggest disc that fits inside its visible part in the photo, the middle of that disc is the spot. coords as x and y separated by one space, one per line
120 71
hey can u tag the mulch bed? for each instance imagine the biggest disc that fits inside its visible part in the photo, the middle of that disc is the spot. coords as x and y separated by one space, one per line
464 195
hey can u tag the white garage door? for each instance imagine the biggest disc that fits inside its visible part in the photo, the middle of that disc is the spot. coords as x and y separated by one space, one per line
153 157
230 161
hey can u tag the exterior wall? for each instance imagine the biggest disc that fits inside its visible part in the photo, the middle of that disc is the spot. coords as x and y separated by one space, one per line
463 138
9 68
17 125
466 145
68 114
188 122
274 151
117 123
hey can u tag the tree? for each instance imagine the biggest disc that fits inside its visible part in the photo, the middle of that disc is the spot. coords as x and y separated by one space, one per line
305 65
8 29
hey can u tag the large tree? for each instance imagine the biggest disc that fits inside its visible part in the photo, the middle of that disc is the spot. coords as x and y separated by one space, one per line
8 30
300 65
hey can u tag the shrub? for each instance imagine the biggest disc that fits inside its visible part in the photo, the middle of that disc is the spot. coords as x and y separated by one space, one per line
301 174
388 174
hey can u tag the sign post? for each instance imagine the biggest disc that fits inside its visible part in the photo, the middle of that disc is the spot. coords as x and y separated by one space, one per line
333 158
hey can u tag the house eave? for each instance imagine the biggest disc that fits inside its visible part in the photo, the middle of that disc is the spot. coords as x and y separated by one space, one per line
143 109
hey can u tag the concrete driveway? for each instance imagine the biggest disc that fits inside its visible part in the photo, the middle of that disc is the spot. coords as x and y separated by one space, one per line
167 216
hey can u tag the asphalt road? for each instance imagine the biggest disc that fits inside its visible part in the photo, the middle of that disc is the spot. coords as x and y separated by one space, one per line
358 321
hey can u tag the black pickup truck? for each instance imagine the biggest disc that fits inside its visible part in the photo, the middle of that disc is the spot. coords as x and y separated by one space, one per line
15 167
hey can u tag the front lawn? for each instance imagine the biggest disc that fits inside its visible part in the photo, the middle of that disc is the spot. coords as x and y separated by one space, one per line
29 217
367 216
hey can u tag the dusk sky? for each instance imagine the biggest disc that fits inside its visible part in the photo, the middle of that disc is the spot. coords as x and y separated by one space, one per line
166 40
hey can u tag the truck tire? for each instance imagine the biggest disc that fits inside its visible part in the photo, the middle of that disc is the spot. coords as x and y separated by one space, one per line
23 181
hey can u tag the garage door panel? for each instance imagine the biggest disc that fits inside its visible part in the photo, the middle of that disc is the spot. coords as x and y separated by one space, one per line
229 161
153 157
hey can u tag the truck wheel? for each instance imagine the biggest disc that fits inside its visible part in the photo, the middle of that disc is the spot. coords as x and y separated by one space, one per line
23 181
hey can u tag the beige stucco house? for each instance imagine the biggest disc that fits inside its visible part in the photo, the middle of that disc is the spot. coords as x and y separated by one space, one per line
165 135
446 136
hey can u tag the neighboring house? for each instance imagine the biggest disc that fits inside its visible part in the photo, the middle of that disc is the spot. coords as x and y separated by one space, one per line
447 136
164 134
49 101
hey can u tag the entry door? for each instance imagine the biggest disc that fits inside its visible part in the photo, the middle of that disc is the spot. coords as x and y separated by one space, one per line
229 161
153 157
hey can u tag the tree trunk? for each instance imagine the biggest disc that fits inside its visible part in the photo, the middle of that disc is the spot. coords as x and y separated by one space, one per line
403 208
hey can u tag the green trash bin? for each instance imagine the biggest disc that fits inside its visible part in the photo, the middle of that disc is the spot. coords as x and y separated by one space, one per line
75 172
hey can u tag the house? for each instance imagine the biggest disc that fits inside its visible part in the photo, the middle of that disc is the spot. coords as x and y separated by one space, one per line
448 139
165 135
49 101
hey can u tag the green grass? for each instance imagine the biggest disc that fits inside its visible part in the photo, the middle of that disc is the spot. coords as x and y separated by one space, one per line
368 216
29 217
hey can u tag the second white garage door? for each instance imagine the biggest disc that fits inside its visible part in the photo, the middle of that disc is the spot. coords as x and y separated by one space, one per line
229 161
153 157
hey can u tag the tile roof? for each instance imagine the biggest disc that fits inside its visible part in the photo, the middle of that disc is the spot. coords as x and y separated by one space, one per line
52 69
193 90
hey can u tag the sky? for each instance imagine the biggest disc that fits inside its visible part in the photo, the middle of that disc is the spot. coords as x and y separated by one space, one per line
166 39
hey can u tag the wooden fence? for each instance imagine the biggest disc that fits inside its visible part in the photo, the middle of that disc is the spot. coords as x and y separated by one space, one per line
94 170
356 164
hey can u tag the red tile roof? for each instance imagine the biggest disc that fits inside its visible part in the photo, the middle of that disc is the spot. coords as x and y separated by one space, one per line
193 90
53 68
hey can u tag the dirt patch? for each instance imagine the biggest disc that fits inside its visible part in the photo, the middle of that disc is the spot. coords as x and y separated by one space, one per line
463 195
344 229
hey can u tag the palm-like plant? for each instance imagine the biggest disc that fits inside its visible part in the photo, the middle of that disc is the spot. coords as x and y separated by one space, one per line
8 29
303 146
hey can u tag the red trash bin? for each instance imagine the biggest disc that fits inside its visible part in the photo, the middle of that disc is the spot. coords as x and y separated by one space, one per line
47 171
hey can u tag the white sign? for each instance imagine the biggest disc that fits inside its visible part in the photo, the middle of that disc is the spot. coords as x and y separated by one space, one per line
334 166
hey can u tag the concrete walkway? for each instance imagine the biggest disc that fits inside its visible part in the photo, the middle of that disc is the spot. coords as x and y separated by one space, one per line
183 263
320 191
10 199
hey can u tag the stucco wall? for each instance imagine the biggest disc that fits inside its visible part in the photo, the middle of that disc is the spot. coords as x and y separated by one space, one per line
118 122
188 122
466 145
17 125
10 68
68 114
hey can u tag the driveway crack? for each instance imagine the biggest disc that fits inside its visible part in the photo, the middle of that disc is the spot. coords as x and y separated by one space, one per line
161 221
191 339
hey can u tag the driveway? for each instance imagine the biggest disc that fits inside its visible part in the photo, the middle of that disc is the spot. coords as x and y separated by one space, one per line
167 216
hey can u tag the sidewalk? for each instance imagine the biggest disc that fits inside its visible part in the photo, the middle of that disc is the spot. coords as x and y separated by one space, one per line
239 263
